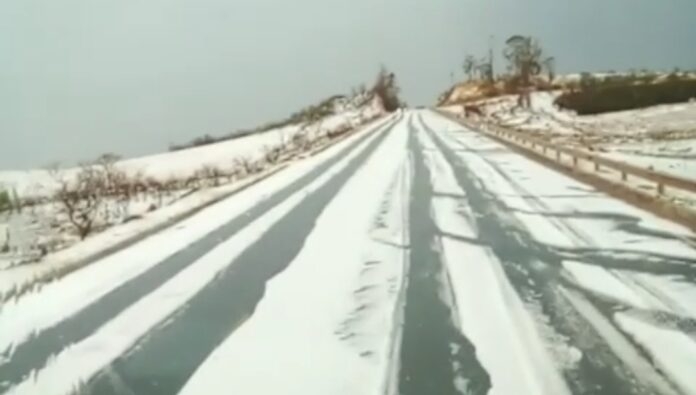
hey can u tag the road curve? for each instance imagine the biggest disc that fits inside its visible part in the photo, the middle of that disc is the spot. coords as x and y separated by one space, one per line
416 257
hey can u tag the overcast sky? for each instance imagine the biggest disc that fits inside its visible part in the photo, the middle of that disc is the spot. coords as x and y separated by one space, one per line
83 77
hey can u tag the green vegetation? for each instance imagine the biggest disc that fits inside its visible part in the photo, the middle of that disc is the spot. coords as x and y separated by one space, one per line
626 92
5 201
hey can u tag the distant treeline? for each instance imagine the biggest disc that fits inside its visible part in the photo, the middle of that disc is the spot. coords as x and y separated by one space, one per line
619 93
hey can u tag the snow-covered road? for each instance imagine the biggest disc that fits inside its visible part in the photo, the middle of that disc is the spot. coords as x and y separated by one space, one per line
415 257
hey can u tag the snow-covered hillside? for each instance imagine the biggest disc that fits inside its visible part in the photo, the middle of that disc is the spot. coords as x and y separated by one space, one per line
222 155
662 138
159 189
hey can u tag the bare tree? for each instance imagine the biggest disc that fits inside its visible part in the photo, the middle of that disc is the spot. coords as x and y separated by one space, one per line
524 56
156 187
116 185
212 174
470 66
127 189
485 69
113 176
246 164
81 196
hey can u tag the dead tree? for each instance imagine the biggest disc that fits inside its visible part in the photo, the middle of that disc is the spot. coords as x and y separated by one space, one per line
525 60
246 164
81 196
113 176
211 174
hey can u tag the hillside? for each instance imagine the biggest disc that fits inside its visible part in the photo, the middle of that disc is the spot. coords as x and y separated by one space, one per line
661 137
223 153
139 195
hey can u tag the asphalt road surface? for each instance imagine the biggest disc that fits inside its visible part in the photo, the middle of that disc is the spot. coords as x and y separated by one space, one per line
415 257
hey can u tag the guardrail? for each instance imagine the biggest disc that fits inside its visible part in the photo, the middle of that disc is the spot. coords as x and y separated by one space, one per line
661 179
569 160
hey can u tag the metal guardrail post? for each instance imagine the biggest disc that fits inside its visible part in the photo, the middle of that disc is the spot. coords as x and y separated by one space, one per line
662 180
666 208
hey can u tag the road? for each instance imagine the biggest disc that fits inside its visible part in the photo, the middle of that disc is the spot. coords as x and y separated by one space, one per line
415 257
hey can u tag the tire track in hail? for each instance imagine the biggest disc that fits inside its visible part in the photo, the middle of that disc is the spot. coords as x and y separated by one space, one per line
607 306
435 357
164 359
32 354
534 271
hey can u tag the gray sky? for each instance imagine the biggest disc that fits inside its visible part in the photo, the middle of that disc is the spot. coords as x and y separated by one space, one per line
83 77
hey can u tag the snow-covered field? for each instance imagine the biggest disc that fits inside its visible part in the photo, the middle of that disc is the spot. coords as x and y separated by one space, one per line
662 138
40 240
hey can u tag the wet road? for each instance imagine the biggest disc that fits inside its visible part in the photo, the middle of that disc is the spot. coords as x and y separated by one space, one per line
416 257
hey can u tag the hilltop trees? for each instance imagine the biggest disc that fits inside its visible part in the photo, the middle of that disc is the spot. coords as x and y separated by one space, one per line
469 66
483 68
387 90
523 54
528 68
526 60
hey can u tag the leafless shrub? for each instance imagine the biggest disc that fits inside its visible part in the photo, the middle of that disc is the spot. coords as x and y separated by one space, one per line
301 141
156 187
192 182
117 185
114 178
231 173
172 184
80 197
246 164
126 191
272 154
138 185
210 174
